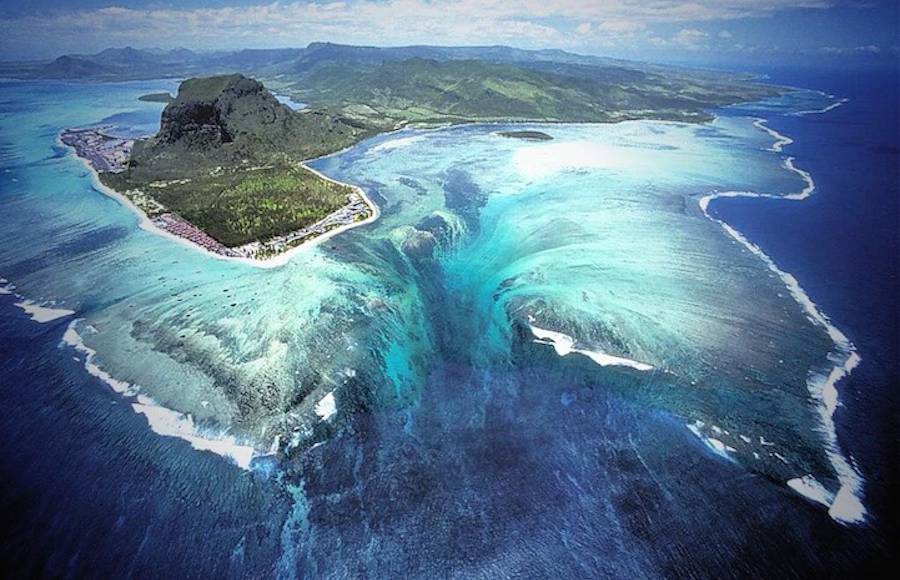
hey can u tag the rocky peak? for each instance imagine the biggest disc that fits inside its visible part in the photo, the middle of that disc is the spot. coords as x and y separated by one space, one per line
229 120
214 111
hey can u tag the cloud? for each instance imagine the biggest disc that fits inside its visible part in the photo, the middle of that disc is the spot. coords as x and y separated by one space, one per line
620 26
724 34
528 23
850 50
690 38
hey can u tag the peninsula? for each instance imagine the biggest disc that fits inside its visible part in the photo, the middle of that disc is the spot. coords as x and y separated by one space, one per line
226 170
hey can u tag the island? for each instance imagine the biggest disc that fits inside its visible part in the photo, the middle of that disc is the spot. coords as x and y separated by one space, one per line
228 168
157 98
526 135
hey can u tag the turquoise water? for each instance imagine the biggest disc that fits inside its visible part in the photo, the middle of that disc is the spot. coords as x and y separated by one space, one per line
433 321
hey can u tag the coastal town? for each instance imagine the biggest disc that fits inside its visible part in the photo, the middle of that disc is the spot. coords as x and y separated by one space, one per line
104 152
107 153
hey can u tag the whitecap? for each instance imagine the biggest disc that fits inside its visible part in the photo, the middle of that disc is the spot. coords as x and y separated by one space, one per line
43 314
825 109
326 407
163 421
715 445
844 356
170 423
564 344
780 140
809 487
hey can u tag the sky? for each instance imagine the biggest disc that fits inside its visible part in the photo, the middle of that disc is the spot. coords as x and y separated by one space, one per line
688 31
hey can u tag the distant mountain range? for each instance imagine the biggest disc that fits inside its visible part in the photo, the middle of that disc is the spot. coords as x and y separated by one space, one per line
379 88
133 64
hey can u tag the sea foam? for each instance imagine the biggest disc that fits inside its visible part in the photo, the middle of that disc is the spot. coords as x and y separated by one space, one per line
326 407
825 109
780 140
846 505
43 314
564 344
163 421
38 312
714 444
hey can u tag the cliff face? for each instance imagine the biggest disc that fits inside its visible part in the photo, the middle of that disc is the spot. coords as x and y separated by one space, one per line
232 120
213 112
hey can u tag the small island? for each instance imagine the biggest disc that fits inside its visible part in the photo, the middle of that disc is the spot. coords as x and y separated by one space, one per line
157 98
526 135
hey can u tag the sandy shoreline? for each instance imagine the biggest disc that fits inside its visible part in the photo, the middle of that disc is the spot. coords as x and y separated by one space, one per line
145 223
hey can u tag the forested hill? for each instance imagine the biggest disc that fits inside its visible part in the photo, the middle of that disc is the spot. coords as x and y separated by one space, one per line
381 87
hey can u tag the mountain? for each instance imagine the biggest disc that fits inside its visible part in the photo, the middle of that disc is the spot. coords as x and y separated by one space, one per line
380 87
232 119
73 67
128 56
129 63
227 159
330 52
228 155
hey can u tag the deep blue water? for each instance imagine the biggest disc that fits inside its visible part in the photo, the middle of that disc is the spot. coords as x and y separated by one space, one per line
844 244
575 483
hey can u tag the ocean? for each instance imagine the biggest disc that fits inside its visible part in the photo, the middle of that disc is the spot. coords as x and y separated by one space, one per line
544 359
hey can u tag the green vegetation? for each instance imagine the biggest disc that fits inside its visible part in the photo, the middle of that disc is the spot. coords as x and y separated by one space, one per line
526 135
157 98
233 121
227 159
374 88
245 205
432 91
423 84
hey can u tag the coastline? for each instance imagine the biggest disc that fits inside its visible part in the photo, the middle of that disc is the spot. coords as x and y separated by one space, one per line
147 224
844 504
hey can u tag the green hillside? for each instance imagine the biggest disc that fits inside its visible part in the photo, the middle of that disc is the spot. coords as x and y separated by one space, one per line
425 90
